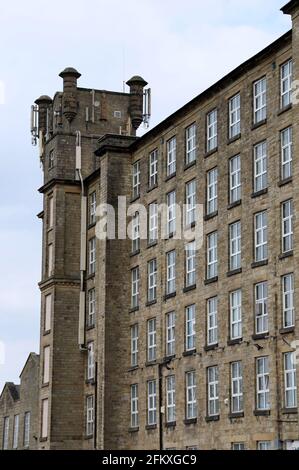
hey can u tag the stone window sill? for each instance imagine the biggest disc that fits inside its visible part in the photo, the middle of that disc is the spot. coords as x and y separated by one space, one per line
189 288
285 331
211 347
258 264
233 342
234 204
209 419
210 216
285 181
132 430
211 281
262 412
170 424
287 254
169 296
256 125
211 152
259 193
189 165
234 139
150 303
192 352
189 421
169 177
236 415
234 272
150 427
284 109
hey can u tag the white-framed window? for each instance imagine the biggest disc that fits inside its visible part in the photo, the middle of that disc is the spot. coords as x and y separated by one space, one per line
213 391
190 144
261 236
286 141
135 232
136 179
92 207
260 100
153 168
170 399
261 308
89 415
171 198
26 440
90 360
152 280
44 414
151 402
212 137
5 432
236 387
190 260
134 344
151 340
286 78
236 314
234 116
134 406
262 383
235 246
15 437
260 166
264 445
170 334
212 255
234 179
135 287
92 256
288 311
153 222
46 365
50 259
190 327
91 307
212 321
171 156
170 272
290 380
238 446
212 191
51 159
51 211
191 402
48 312
190 202
287 225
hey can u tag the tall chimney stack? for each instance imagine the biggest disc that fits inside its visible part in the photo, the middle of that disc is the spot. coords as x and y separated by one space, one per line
69 103
136 85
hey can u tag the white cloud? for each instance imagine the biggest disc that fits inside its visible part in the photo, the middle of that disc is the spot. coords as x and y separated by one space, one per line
179 47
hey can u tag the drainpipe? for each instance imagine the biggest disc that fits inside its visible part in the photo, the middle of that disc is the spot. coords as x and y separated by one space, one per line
161 407
95 431
81 329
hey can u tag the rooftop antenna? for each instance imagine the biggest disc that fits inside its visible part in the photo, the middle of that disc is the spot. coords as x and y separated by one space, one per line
124 69
34 124
146 107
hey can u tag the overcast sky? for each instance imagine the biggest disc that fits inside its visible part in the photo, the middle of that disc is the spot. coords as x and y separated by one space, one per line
179 47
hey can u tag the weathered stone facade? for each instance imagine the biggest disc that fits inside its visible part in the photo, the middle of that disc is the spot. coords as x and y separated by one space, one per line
19 400
106 122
